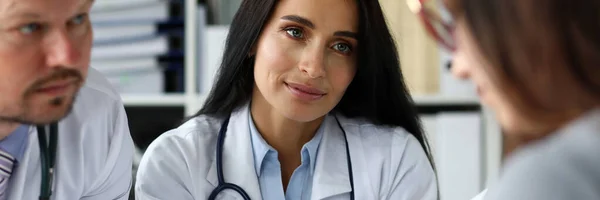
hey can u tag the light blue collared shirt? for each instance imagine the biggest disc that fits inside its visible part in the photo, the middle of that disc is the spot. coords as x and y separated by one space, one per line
16 142
268 168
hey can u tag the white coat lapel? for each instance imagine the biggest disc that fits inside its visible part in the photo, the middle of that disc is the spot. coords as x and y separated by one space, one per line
238 157
331 171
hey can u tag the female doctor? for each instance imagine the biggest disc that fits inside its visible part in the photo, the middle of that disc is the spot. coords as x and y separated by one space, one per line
309 103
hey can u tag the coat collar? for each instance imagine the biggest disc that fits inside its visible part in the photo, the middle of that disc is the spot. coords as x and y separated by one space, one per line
238 161
331 172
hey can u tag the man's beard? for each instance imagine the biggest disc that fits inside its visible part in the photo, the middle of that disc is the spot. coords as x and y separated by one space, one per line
24 117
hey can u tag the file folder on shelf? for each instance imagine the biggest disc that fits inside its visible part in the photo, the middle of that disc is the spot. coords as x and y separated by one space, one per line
115 10
139 47
133 75
109 31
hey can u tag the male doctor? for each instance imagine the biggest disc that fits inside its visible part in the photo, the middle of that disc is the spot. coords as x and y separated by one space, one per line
45 50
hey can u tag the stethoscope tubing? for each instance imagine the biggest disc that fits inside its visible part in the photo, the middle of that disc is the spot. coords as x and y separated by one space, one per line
222 184
48 158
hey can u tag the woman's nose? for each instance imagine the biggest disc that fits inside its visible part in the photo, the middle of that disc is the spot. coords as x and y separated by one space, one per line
313 62
459 66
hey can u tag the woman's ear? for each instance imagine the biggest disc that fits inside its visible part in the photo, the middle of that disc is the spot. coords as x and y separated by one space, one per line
252 52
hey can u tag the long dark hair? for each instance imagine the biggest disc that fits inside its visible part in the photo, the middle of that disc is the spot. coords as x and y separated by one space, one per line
377 93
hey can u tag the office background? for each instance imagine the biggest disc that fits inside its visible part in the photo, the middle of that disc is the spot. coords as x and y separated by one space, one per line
162 55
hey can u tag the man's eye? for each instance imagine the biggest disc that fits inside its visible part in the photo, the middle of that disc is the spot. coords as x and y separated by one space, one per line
79 19
29 28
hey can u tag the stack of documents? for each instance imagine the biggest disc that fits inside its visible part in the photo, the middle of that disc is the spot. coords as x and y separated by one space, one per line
128 42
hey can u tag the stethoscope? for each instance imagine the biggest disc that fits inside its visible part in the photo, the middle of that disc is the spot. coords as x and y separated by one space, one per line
48 157
224 185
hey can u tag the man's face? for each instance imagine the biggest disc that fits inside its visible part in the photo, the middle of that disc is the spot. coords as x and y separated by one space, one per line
45 50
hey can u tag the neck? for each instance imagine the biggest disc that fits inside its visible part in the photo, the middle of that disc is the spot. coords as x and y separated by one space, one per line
551 123
283 134
6 128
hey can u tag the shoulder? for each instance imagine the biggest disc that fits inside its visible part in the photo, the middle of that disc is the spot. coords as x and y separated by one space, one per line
97 123
101 149
97 100
98 114
97 85
383 137
551 169
178 155
97 108
197 135
394 158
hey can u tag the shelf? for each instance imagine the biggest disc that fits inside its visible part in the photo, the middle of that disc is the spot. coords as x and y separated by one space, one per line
153 99
441 100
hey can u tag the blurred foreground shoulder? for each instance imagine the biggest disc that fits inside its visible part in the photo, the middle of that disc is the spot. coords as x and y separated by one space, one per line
560 168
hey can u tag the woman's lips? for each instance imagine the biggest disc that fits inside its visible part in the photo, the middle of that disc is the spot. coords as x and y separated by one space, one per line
304 92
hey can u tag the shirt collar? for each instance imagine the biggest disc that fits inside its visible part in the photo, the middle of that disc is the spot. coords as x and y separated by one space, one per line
16 142
260 147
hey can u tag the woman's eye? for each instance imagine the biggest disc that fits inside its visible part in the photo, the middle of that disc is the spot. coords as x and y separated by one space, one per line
29 28
344 48
294 32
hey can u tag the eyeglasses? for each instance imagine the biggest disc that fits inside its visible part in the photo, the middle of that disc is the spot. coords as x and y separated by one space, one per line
430 13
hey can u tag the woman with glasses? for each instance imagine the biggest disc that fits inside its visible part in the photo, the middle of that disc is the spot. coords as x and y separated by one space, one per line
309 103
536 63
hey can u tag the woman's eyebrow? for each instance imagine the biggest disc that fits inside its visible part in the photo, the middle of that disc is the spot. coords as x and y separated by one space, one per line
309 24
300 20
349 34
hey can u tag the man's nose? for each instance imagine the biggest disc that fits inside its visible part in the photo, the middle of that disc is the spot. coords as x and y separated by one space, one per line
62 51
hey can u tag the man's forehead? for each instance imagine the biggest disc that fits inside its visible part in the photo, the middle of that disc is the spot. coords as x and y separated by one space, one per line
16 5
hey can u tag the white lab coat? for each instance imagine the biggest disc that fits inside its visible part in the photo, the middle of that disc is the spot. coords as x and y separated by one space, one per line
480 196
387 163
94 152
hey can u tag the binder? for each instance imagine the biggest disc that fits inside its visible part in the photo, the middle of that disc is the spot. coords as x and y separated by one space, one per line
115 10
132 29
108 32
111 5
150 45
133 76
